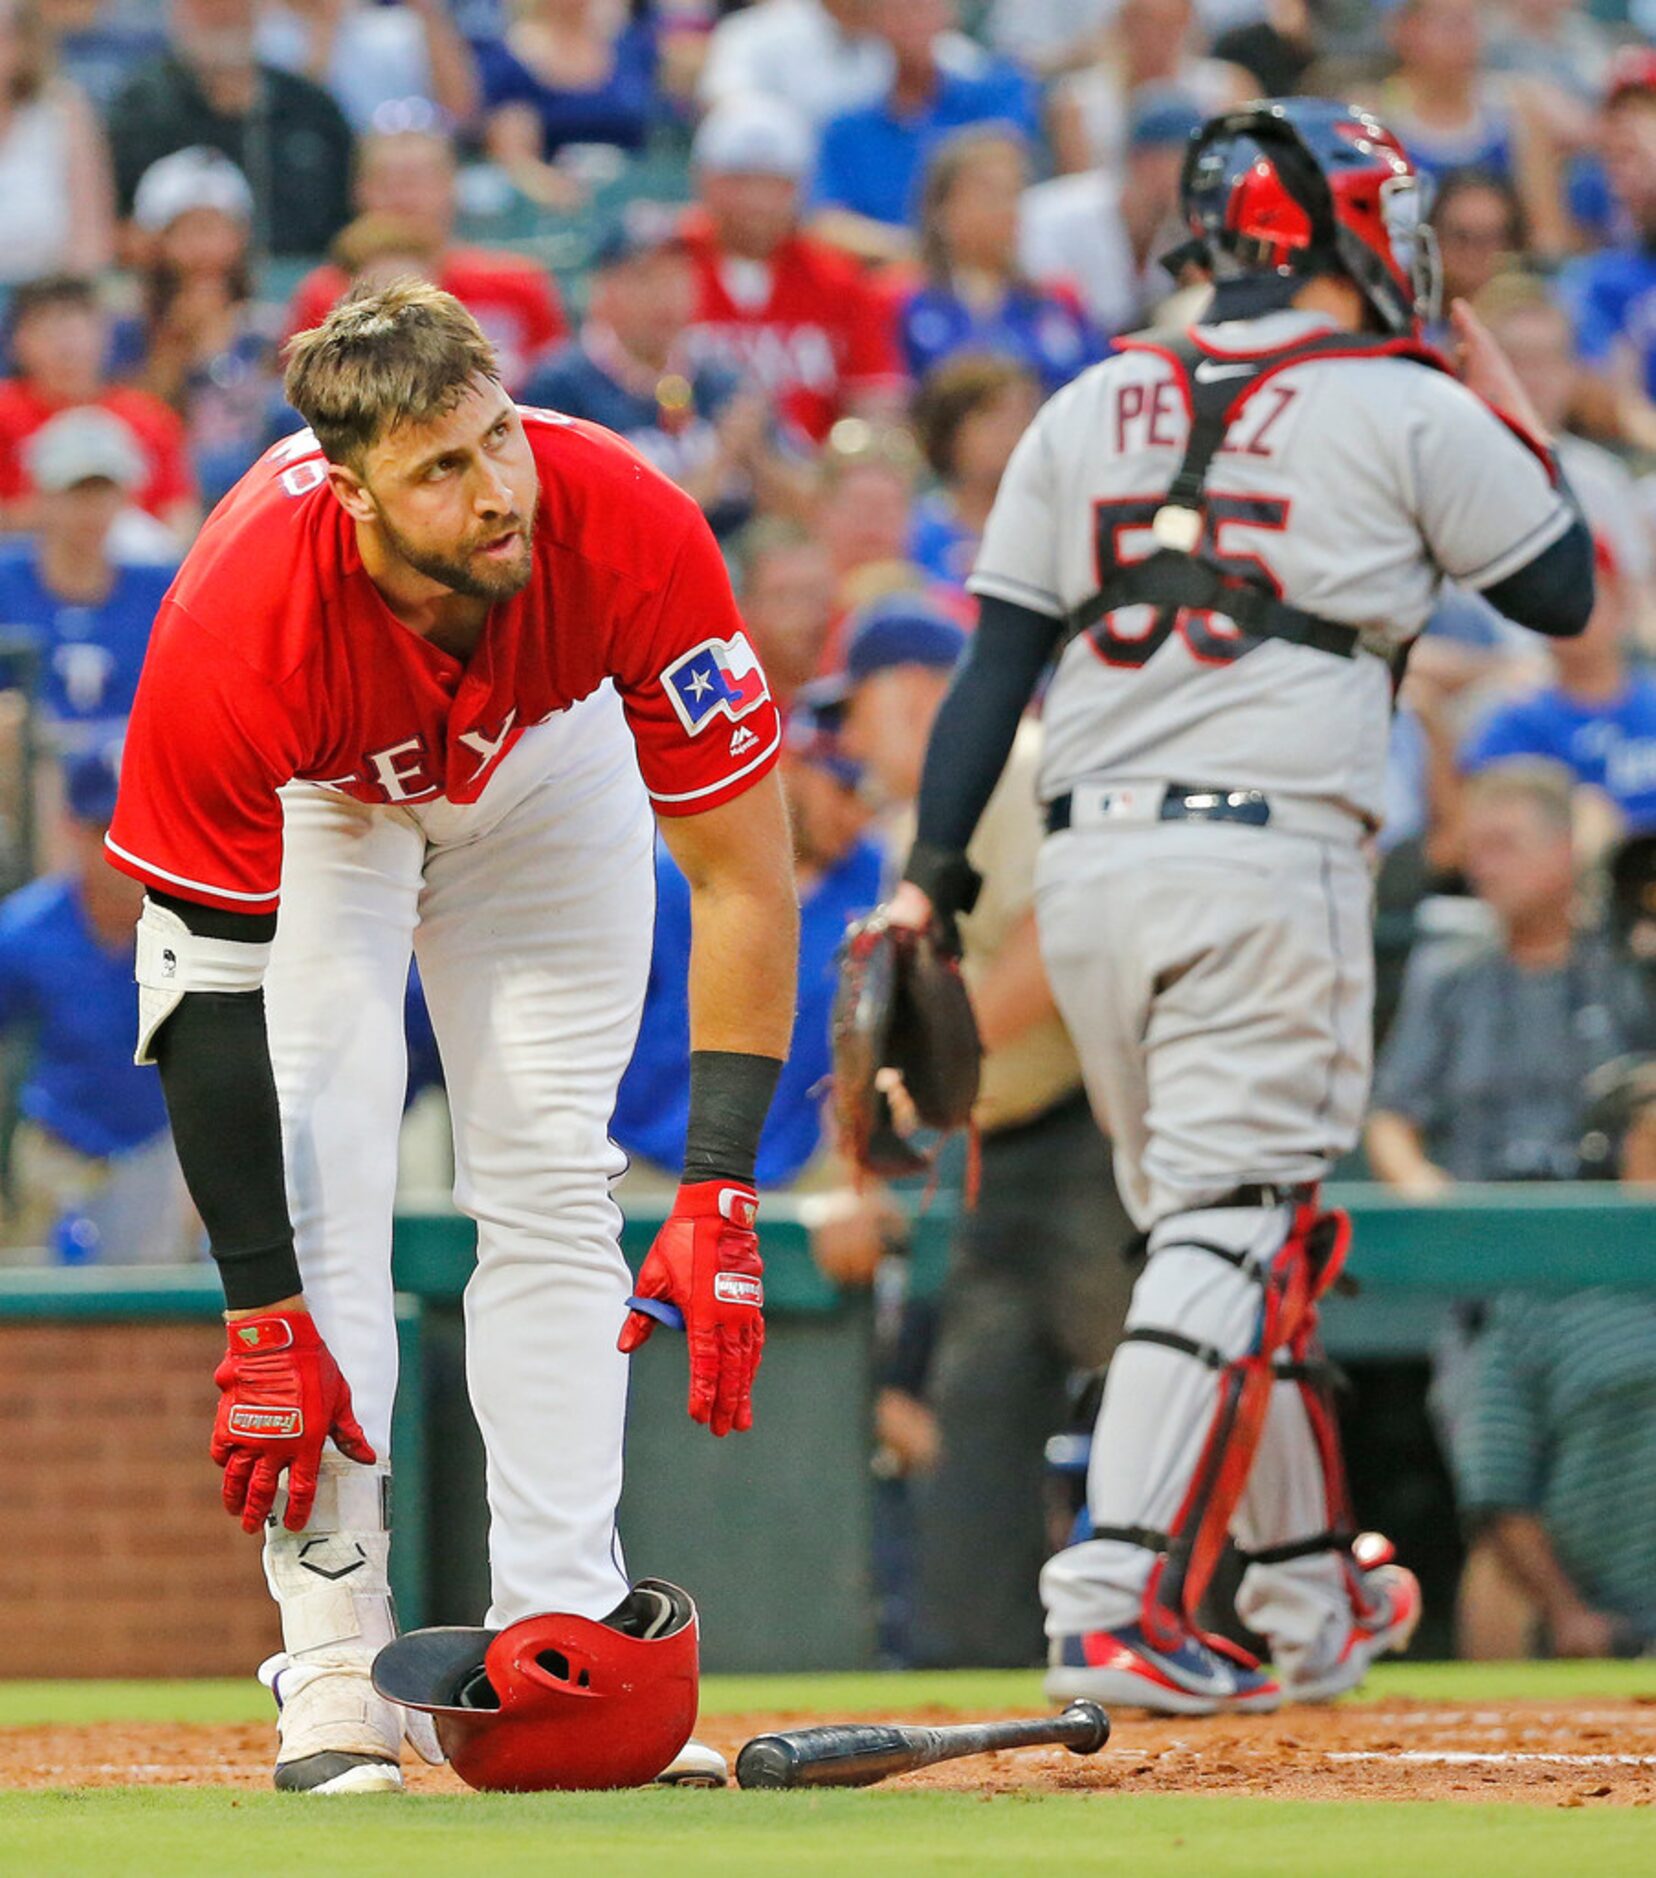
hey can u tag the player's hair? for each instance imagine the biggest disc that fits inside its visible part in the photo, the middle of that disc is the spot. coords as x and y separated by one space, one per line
400 354
1538 782
954 392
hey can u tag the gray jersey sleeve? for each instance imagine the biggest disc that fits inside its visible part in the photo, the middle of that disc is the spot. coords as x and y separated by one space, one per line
1485 502
1018 560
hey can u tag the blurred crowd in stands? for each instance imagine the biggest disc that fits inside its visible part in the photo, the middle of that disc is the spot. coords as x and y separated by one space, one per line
820 261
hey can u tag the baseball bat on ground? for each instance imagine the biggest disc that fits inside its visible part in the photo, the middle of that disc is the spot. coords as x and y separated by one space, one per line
856 1754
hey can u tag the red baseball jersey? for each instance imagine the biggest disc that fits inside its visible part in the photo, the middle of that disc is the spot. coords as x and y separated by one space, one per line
811 336
275 657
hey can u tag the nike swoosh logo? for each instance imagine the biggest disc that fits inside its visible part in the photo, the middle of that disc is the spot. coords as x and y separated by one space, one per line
1207 372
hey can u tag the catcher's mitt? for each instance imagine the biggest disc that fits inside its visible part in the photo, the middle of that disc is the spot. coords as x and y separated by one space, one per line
900 1005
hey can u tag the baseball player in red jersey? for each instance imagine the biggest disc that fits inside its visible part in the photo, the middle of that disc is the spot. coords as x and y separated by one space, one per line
420 682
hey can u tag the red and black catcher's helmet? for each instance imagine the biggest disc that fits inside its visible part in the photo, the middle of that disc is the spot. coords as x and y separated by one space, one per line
556 1701
1295 187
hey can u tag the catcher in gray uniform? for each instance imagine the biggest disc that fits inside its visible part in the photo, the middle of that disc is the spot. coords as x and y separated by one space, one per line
1227 539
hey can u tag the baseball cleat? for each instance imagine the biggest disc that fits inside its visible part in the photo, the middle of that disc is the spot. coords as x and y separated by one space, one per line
698 1765
1122 1669
336 1734
336 1772
1386 1622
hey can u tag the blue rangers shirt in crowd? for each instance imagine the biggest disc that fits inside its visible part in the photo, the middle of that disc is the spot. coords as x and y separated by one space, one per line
1048 334
89 657
1611 745
78 999
1611 299
653 1107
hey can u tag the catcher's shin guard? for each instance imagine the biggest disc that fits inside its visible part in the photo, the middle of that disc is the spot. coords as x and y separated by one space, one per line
331 1583
1288 1273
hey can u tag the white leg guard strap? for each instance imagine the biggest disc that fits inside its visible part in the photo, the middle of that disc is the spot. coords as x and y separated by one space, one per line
331 1583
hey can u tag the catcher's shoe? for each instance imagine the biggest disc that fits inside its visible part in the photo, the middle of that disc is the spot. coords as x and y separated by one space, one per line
1123 1668
337 1734
1386 1606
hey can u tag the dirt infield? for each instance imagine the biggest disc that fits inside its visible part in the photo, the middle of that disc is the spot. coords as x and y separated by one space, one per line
1547 1754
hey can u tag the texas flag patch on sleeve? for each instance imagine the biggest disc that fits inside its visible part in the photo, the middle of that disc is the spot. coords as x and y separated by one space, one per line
718 678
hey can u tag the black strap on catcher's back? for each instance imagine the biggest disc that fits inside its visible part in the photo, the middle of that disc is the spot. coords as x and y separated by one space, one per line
1175 576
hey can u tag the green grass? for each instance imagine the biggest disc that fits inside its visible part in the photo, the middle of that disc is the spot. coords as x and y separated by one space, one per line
174 1833
143 1832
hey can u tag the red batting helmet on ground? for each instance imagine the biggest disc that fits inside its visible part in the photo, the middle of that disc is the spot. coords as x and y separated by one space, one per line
556 1701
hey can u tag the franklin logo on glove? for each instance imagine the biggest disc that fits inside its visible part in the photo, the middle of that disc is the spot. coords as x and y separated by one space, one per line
281 1398
733 1288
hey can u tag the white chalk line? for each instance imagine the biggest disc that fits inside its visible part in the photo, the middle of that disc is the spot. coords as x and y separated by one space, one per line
1467 1757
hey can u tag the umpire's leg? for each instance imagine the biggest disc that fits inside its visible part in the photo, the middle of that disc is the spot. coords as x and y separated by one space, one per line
1036 1288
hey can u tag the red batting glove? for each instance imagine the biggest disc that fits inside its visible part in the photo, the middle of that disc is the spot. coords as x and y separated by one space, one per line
705 1261
282 1397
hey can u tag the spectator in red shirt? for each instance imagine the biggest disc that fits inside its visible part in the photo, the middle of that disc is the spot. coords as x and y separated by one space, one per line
785 311
409 176
59 341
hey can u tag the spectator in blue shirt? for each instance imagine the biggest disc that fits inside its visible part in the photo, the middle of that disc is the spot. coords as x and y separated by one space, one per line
92 1164
1598 718
83 617
871 161
969 415
630 372
974 299
1611 294
566 72
839 873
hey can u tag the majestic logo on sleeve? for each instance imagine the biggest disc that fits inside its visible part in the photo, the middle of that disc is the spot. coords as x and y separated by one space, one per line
719 678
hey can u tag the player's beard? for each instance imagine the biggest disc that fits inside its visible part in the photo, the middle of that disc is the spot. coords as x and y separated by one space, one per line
461 572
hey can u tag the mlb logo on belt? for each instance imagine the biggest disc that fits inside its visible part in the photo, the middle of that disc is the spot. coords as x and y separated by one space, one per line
718 678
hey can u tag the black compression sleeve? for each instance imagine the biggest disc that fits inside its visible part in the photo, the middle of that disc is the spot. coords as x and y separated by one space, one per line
214 1059
730 1096
979 719
1552 594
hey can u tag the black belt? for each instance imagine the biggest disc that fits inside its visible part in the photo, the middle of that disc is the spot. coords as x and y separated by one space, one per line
1184 803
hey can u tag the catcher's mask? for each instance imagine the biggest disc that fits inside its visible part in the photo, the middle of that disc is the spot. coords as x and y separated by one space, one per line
556 1701
1288 188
